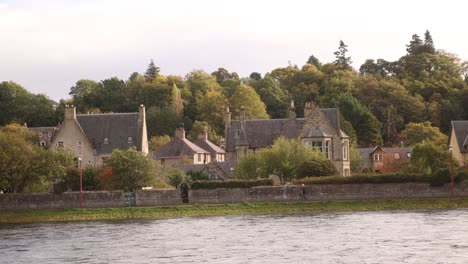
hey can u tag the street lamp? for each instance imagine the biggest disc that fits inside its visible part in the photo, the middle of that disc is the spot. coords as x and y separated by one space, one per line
451 167
81 182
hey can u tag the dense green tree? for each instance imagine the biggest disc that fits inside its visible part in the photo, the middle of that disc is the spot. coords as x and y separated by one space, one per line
275 98
314 61
246 97
20 106
85 94
363 121
27 167
416 133
132 169
210 108
427 157
201 126
282 160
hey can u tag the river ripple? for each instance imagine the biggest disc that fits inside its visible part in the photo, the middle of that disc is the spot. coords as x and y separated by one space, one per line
366 237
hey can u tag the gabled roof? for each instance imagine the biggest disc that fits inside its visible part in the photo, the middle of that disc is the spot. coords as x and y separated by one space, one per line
262 133
366 153
460 128
178 147
116 127
209 146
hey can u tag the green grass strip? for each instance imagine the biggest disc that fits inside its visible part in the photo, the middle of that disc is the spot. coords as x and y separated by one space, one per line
226 209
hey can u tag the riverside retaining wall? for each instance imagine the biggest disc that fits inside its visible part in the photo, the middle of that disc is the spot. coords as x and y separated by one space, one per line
288 193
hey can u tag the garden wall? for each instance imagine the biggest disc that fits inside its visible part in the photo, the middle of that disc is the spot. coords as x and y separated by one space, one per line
288 193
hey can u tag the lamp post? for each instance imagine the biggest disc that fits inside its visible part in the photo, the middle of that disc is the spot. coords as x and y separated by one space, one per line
451 167
81 182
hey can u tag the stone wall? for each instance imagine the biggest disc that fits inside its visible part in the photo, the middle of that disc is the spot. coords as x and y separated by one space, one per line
288 193
47 201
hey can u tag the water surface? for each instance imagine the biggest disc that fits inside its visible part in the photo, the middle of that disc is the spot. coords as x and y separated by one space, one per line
368 237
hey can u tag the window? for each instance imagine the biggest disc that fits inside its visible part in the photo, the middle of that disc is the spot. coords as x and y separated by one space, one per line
79 143
408 154
396 155
130 140
327 149
106 140
75 162
43 143
60 144
236 134
378 157
199 157
345 150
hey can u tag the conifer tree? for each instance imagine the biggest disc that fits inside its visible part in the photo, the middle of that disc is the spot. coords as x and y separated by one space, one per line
151 72
342 61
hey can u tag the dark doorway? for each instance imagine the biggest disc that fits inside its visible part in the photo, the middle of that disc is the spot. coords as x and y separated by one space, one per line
184 193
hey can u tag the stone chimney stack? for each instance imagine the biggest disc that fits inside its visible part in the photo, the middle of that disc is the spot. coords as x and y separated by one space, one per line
242 114
142 113
70 112
292 110
309 108
180 132
203 135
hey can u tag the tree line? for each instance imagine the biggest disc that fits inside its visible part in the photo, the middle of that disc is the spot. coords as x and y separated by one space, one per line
377 101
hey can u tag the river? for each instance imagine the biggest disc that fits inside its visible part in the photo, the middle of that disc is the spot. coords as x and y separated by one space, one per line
439 236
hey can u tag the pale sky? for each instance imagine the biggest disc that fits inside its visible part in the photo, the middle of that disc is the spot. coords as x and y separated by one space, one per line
48 45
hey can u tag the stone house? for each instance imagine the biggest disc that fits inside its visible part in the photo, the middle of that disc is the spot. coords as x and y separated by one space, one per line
458 140
319 129
181 151
384 160
93 137
217 154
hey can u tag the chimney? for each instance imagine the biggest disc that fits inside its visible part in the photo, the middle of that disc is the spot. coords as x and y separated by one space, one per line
242 114
142 113
70 112
227 121
203 135
292 110
180 132
309 108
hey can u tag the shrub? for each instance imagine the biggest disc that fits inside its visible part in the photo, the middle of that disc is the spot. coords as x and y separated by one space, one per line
461 176
316 167
231 184
440 176
198 175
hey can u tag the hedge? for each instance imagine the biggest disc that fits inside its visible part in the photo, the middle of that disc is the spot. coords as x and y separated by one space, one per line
438 178
384 178
230 184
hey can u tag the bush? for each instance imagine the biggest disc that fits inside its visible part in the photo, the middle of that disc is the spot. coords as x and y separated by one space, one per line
384 178
316 167
440 177
198 175
461 176
231 184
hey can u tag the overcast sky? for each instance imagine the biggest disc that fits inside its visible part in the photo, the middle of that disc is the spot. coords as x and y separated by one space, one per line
47 45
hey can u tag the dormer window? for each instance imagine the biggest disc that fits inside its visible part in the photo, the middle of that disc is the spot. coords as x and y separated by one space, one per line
130 140
60 144
106 140
236 134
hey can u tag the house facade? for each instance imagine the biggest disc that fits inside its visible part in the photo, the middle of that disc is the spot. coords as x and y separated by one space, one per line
217 154
384 160
93 137
458 141
181 151
319 129
45 134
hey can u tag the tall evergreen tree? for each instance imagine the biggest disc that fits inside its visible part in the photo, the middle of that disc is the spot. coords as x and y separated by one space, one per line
415 45
151 72
342 61
429 43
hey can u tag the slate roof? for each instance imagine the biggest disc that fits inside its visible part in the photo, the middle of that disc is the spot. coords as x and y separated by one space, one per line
461 134
116 127
178 147
262 133
227 168
47 133
209 146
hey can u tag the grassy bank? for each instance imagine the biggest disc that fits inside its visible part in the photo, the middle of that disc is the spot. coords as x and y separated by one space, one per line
226 209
